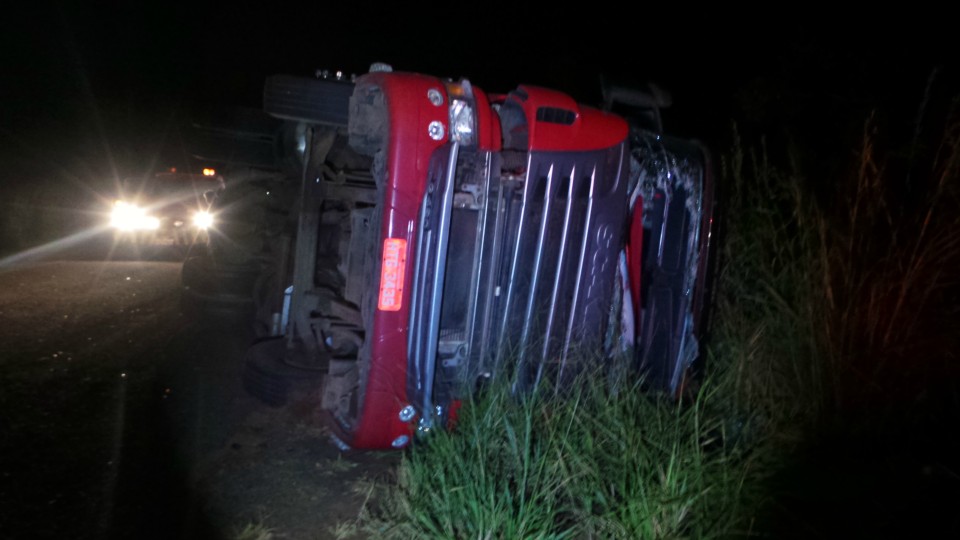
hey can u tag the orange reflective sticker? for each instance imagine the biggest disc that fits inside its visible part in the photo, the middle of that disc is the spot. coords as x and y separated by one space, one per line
391 274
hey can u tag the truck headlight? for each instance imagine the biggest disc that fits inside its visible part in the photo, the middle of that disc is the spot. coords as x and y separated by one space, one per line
130 217
463 122
203 219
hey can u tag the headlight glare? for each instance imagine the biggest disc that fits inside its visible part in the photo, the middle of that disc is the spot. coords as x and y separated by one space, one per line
203 219
130 217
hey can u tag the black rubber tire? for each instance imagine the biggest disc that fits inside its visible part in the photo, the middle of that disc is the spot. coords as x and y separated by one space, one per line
304 99
271 380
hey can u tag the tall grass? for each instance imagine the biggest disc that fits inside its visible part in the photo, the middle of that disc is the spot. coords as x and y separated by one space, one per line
763 337
838 331
888 254
845 305
598 464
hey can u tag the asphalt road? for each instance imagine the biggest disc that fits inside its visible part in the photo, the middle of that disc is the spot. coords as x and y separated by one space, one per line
122 418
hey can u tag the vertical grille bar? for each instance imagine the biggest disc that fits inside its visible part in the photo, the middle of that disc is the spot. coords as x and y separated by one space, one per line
531 315
513 245
584 243
558 279
433 242
543 243
562 268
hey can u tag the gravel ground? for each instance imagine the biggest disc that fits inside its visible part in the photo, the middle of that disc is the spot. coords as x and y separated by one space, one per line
120 418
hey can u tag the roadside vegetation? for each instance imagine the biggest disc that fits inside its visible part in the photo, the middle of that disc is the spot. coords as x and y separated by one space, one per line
829 404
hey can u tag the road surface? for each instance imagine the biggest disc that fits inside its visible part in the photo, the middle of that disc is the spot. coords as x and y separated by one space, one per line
122 418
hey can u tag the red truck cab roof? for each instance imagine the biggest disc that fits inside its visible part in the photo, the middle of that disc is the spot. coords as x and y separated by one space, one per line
555 122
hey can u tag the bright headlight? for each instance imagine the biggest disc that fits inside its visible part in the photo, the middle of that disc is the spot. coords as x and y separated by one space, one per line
463 122
203 219
129 217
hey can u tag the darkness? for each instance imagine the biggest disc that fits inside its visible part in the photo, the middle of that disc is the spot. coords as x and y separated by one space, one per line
107 83
94 91
97 91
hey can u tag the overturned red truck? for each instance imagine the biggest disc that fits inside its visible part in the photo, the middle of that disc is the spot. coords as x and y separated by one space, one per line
446 237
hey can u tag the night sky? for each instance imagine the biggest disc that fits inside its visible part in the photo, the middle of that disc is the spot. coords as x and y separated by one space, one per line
87 87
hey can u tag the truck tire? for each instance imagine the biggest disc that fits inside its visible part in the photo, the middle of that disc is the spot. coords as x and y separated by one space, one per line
267 377
303 99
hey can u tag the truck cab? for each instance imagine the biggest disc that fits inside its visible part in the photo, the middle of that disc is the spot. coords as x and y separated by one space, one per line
447 237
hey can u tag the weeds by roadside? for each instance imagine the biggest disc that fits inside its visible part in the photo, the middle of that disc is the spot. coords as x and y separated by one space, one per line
254 531
599 464
836 330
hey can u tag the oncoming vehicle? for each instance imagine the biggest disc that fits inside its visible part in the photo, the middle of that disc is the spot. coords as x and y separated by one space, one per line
165 209
446 237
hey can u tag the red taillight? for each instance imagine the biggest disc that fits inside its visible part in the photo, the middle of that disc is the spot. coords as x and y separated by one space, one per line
391 274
